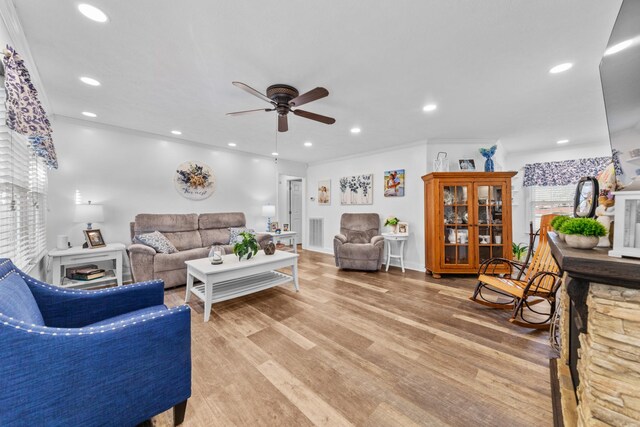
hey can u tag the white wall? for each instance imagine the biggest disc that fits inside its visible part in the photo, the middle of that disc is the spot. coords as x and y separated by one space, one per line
132 172
516 161
465 149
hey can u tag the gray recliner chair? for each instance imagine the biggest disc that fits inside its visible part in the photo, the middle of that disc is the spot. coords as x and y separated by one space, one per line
359 245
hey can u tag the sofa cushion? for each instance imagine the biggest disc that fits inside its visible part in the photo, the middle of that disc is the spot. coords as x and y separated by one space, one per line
184 240
157 241
358 251
354 236
17 301
130 314
167 262
146 223
215 236
221 220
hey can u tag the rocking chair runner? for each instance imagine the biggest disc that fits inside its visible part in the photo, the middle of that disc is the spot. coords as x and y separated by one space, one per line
526 285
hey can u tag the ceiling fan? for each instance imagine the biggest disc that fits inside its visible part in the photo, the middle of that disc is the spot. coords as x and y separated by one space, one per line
282 99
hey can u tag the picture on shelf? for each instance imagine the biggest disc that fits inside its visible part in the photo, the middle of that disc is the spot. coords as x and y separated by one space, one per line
467 164
274 226
403 228
356 190
94 238
394 183
285 227
324 192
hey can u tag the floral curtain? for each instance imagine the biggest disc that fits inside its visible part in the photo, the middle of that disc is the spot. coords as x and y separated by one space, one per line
25 114
565 172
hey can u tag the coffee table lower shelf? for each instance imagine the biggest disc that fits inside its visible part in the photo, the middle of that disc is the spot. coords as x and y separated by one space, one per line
242 286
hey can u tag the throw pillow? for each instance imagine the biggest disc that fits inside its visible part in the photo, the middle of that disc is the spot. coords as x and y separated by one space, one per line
234 233
354 236
157 241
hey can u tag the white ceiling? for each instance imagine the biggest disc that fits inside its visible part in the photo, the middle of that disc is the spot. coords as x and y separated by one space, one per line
169 65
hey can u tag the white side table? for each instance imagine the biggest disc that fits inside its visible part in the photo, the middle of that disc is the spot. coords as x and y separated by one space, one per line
389 238
292 236
62 258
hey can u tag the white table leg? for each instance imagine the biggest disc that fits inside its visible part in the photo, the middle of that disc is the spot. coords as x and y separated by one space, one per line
208 296
55 271
189 286
402 254
119 268
295 245
388 254
294 270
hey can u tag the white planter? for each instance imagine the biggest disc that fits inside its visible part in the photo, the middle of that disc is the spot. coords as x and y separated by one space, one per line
581 242
561 236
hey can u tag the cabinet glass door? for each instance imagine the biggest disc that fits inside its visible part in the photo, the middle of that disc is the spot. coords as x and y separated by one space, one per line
489 218
455 210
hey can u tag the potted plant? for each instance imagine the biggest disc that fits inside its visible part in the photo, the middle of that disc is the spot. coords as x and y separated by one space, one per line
392 223
557 222
582 233
246 245
519 249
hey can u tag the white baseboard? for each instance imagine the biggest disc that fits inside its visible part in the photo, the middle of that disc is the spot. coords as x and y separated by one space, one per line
394 262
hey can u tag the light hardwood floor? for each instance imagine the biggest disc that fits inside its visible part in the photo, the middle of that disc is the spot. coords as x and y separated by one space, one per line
364 349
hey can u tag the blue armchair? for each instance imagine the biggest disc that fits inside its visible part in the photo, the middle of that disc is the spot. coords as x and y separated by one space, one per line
111 357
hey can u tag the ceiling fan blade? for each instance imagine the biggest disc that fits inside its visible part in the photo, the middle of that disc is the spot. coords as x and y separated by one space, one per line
313 116
283 125
239 113
252 91
312 95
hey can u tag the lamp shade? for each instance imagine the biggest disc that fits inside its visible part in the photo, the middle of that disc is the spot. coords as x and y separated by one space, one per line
268 211
89 213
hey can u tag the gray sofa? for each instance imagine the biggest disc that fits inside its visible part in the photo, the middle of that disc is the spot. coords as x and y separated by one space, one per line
191 234
359 245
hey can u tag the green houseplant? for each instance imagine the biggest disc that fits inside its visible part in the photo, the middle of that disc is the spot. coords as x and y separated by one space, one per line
392 222
518 249
557 222
582 233
246 246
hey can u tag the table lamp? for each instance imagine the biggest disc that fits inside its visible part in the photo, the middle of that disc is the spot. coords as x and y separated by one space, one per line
268 211
89 214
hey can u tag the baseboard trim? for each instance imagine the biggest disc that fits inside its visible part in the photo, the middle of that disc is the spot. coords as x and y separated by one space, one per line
394 263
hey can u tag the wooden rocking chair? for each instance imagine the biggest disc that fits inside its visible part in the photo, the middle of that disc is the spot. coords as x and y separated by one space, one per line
526 285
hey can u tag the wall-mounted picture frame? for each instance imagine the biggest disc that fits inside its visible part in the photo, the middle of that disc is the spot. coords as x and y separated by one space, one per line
94 238
403 228
467 164
356 190
285 227
394 183
324 192
274 226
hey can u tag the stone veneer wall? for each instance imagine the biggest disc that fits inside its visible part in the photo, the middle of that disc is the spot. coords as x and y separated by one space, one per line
609 364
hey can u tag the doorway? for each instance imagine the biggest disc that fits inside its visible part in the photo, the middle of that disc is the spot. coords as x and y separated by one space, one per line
294 207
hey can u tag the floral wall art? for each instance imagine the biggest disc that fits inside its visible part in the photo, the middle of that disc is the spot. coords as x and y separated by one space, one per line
356 190
194 180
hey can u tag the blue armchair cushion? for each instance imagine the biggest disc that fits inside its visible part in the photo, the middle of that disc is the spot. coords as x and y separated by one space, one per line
127 316
16 300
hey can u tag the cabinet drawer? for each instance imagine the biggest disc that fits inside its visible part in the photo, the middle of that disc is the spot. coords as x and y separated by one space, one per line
72 259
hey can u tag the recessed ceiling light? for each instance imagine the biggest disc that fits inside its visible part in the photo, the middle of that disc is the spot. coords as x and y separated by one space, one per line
355 130
232 144
560 68
308 144
562 141
274 153
176 132
429 107
89 114
618 47
89 81
92 12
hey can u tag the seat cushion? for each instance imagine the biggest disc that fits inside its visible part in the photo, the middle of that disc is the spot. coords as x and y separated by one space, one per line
168 262
135 313
17 301
359 251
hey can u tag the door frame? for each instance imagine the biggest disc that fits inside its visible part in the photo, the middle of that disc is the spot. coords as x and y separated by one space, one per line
283 202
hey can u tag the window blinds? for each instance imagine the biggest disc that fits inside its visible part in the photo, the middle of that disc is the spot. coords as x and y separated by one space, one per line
550 200
23 197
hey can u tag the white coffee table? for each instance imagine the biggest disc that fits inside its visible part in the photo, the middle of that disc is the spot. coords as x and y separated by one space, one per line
234 278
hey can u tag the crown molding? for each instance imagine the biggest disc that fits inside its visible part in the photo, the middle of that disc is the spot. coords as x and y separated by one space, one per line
10 18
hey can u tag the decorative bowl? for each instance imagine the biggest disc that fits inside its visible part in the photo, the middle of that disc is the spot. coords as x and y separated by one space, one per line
578 241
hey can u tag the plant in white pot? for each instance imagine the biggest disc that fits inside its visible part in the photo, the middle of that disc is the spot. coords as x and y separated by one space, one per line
582 233
392 223
557 222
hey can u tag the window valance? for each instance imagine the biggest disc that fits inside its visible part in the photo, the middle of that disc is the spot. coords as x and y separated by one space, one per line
564 172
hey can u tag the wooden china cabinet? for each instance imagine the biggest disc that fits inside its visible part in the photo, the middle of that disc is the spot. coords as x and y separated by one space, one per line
467 220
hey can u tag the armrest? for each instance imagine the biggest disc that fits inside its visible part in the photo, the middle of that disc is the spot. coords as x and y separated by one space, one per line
341 238
377 239
112 364
141 249
141 259
72 308
493 263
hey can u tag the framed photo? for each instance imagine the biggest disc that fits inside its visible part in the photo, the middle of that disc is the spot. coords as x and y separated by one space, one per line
467 164
394 183
274 226
403 228
285 227
324 192
94 238
356 190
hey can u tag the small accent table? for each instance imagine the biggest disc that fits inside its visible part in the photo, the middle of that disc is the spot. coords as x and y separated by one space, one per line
62 258
395 237
292 236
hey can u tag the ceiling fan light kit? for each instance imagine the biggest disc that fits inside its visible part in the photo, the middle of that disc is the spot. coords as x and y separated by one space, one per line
282 99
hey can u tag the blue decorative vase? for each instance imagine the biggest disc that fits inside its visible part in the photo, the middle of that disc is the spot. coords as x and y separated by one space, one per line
488 165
